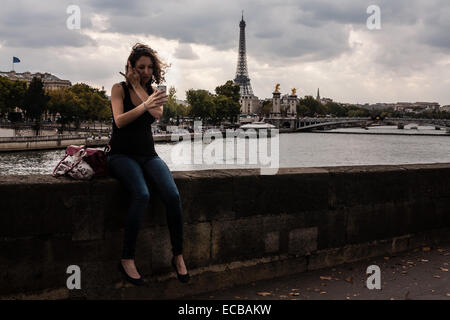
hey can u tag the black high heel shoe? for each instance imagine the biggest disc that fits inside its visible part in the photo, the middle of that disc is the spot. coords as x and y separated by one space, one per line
136 282
181 277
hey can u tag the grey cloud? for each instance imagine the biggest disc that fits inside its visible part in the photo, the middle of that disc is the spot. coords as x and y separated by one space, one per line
277 30
184 51
23 24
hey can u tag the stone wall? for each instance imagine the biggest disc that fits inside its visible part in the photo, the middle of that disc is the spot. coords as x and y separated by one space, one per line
239 227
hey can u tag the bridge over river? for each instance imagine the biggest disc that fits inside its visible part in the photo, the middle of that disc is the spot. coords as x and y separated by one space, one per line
310 123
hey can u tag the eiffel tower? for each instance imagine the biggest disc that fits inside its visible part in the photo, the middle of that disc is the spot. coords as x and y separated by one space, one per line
242 78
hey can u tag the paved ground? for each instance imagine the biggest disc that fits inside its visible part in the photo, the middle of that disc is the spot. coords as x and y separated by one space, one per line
422 274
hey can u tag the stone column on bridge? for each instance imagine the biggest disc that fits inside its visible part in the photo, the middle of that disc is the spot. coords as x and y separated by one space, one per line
276 102
292 104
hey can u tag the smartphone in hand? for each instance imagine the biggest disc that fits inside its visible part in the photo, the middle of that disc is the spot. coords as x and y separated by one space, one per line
162 88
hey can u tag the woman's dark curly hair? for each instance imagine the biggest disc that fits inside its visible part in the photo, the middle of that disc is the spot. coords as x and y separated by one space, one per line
159 67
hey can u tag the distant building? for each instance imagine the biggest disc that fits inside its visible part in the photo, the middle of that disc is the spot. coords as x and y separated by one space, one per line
445 108
416 107
49 81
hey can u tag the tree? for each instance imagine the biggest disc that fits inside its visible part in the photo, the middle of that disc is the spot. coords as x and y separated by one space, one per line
201 104
336 109
12 94
35 102
302 111
93 103
265 109
223 107
66 103
314 106
227 101
172 109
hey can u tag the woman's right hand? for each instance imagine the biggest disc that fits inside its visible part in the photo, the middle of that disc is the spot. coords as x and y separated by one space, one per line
155 100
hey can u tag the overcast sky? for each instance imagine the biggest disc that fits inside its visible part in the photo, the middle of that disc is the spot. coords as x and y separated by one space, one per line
303 44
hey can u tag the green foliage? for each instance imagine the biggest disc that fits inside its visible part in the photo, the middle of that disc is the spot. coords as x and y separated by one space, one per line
266 109
336 109
201 104
215 108
35 100
79 102
12 94
93 103
227 102
66 103
311 107
172 109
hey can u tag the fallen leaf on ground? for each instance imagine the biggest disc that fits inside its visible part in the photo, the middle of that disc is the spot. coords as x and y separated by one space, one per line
264 294
323 292
440 250
317 290
325 278
294 289
294 293
437 277
410 262
386 258
237 297
426 249
349 279
424 260
443 269
283 296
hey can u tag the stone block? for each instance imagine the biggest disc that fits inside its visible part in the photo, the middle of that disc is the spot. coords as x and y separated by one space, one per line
303 241
272 242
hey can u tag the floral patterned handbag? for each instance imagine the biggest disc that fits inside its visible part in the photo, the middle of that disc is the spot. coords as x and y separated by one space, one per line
96 158
74 166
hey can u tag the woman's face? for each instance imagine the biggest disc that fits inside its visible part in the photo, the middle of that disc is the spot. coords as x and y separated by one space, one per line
144 66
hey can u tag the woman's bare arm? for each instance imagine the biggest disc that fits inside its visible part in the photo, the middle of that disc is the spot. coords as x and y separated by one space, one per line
143 95
120 118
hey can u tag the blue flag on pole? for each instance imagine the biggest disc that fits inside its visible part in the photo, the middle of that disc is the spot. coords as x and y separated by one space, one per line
16 60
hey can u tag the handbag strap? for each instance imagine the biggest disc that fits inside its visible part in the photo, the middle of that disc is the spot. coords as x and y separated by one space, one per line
74 165
53 173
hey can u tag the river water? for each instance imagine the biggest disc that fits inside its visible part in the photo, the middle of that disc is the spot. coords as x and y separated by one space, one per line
343 147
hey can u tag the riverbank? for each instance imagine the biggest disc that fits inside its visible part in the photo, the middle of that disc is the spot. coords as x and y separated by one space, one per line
384 133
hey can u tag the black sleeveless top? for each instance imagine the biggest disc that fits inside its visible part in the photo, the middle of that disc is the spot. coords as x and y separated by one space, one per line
135 138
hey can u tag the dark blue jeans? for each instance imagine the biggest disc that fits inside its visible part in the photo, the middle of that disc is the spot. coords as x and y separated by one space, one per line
131 171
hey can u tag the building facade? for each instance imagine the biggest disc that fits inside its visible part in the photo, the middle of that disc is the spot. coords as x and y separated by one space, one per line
49 81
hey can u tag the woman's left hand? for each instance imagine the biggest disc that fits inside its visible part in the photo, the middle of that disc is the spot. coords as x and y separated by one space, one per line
132 76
